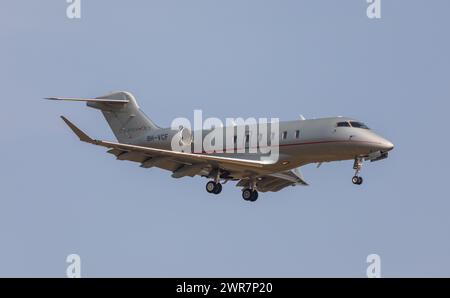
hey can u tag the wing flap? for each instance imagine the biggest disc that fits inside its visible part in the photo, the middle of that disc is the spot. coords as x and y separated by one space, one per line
292 176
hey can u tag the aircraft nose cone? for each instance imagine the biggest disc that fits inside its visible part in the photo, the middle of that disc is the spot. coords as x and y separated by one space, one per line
387 145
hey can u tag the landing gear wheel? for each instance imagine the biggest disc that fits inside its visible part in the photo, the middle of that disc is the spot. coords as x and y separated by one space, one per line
357 180
217 189
247 194
211 186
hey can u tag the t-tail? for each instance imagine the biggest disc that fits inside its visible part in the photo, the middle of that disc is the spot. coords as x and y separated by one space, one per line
123 114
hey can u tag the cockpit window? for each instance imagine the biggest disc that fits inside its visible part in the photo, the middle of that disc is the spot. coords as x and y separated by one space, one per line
343 124
358 125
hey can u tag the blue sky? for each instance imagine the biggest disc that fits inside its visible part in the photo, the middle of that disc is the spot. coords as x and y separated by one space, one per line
230 58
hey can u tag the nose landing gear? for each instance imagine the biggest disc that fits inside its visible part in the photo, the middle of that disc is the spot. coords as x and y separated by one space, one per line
357 165
357 180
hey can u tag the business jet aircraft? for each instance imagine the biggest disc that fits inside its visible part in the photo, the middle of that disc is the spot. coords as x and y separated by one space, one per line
300 142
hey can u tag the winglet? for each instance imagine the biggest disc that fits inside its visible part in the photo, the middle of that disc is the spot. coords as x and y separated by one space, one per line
83 137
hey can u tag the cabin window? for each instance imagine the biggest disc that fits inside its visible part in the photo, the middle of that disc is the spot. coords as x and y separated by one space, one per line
284 135
358 125
297 134
343 124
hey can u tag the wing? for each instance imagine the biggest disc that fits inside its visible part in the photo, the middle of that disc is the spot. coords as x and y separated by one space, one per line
276 181
180 163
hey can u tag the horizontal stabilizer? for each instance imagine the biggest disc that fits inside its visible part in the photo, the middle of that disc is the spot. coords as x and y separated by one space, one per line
99 100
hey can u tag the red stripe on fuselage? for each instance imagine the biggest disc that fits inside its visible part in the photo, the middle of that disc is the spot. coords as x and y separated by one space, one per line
294 144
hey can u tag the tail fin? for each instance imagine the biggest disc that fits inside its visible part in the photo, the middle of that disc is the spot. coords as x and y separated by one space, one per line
122 113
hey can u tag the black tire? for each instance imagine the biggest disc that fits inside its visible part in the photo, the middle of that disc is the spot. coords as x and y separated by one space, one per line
355 179
217 189
247 194
254 196
360 180
210 186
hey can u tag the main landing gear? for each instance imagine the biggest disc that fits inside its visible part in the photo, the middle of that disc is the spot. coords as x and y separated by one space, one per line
357 165
213 187
250 194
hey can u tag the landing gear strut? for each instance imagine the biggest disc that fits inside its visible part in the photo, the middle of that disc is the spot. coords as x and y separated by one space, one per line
357 165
